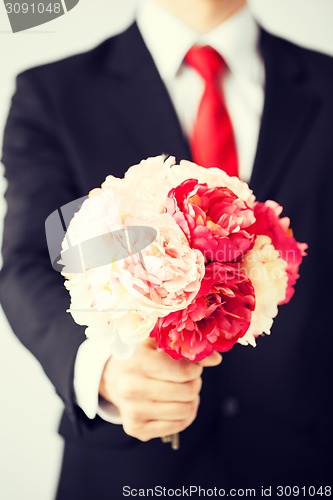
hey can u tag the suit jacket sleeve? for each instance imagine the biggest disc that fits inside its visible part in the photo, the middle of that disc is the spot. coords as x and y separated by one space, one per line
39 181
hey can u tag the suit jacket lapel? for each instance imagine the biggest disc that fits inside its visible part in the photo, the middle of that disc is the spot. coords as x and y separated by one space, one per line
145 105
290 110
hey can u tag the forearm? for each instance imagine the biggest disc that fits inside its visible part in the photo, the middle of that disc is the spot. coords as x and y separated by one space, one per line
39 181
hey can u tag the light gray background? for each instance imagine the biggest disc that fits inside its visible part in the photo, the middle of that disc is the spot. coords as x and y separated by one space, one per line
30 449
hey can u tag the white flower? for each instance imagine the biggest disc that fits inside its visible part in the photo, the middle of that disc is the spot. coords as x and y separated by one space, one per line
144 187
267 272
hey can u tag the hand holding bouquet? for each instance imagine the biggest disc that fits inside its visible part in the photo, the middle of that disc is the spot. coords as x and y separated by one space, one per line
220 265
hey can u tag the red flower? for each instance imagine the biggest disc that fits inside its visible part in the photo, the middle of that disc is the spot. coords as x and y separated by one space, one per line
269 223
214 220
215 319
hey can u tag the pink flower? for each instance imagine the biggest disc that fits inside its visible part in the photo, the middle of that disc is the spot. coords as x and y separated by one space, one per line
269 223
215 319
214 220
166 275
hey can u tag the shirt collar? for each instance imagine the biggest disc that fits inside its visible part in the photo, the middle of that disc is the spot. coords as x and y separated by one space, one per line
168 39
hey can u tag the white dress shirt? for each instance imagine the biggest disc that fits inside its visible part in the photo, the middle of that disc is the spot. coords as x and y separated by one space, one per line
168 39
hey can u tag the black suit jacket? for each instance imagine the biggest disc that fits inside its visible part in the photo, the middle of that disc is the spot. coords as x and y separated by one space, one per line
266 414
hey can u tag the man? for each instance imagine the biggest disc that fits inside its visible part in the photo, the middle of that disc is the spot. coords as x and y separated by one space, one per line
265 415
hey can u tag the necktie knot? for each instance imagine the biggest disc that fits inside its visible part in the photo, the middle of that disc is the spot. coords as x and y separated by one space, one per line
206 61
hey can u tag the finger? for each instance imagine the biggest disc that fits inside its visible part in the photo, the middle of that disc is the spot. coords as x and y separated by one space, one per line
160 366
158 429
156 390
155 363
148 390
172 412
175 371
213 360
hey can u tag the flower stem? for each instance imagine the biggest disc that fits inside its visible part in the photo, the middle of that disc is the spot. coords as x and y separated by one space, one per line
173 439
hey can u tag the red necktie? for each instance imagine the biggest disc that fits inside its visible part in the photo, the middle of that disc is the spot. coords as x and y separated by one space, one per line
213 141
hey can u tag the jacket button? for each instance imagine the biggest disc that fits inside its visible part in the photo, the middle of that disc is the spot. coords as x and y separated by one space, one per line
230 407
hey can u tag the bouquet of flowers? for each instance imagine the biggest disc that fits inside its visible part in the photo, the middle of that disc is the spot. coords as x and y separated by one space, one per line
193 260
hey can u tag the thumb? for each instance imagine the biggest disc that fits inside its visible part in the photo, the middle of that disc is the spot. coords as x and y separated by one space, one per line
213 360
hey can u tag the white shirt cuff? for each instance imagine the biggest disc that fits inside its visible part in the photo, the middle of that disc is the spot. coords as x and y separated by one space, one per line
108 412
89 364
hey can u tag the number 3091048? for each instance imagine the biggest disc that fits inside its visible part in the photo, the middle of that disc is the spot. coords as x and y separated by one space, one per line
33 8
